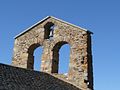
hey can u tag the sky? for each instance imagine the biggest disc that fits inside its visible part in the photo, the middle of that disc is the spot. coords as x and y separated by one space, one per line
102 17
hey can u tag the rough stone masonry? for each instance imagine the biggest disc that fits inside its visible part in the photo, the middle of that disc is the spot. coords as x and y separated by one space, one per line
51 33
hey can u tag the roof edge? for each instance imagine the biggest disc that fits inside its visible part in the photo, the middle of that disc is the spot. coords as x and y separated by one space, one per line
26 30
69 23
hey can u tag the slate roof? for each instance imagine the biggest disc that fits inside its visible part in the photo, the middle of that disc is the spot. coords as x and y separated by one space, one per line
14 78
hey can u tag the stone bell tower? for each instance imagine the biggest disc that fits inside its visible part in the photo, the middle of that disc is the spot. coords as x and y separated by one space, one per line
51 33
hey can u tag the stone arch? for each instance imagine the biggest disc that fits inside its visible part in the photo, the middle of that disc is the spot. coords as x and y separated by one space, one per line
55 55
30 61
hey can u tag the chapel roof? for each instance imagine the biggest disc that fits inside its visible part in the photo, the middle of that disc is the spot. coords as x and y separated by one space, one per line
14 78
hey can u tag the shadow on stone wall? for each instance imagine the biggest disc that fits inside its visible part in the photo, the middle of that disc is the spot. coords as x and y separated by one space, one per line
14 78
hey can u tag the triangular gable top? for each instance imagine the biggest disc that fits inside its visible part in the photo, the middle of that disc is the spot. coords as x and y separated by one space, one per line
43 21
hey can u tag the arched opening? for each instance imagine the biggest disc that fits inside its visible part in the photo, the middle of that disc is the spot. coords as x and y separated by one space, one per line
49 29
64 59
34 56
37 58
61 58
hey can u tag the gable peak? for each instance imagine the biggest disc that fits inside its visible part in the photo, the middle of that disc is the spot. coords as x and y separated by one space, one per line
44 19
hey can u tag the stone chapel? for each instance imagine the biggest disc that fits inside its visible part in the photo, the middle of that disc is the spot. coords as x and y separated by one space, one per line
51 34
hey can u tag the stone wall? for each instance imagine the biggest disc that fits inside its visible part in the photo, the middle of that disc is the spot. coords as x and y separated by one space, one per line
80 66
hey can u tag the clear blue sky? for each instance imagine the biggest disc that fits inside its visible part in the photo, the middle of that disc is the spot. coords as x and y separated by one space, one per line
99 16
